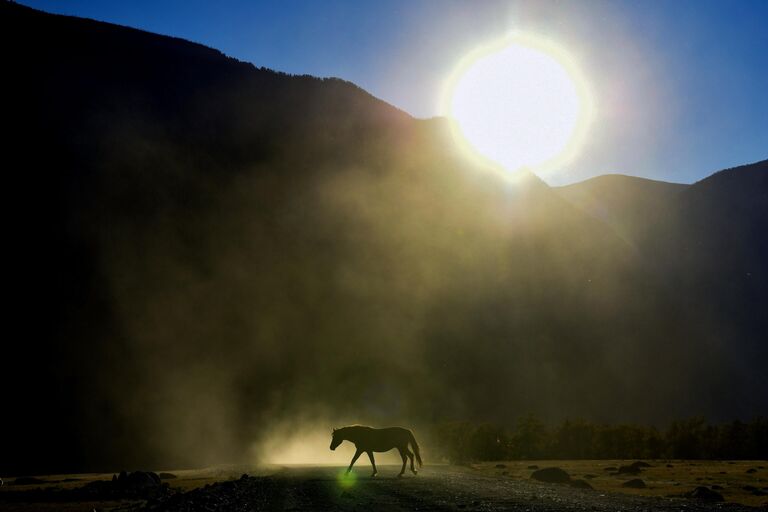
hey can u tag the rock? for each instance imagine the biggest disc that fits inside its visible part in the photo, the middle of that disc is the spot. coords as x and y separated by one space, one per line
28 480
500 466
628 470
166 476
551 475
635 483
754 490
705 494
750 471
590 476
670 466
580 484
533 467
609 468
640 464
137 479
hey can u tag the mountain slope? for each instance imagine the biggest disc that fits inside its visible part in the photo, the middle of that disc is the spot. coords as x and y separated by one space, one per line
625 203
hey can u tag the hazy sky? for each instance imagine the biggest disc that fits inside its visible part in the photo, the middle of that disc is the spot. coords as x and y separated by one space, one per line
680 86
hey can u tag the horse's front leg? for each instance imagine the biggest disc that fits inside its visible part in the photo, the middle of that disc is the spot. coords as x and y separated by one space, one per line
373 462
357 454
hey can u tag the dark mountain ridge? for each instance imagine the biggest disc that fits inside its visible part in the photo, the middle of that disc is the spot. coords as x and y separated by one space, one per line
204 251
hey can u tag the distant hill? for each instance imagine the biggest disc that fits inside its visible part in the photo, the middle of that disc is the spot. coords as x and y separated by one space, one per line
626 203
203 252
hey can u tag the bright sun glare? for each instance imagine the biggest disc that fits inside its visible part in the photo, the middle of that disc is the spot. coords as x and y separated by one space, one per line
519 103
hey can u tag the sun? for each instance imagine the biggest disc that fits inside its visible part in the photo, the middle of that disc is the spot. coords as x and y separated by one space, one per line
520 102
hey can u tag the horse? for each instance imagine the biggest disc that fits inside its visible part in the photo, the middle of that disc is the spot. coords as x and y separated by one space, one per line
369 440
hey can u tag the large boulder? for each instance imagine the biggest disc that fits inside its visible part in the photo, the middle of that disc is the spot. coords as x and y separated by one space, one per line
628 470
580 484
635 483
137 479
551 476
705 494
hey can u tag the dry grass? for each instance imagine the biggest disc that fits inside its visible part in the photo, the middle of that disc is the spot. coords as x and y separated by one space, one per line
682 477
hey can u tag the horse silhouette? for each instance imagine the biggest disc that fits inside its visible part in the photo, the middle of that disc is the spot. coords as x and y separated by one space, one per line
369 440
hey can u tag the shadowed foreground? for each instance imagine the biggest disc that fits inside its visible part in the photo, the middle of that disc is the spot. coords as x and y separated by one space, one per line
436 488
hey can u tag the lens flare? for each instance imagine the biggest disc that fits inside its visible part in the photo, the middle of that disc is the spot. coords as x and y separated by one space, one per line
519 102
346 480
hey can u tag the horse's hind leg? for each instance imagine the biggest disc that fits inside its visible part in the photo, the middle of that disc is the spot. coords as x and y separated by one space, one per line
409 453
402 454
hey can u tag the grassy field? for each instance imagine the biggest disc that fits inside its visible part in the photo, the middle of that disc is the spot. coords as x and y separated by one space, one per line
663 478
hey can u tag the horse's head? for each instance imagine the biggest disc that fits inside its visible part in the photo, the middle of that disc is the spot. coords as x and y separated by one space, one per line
336 439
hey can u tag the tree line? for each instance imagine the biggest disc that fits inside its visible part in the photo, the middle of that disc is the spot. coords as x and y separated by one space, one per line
530 438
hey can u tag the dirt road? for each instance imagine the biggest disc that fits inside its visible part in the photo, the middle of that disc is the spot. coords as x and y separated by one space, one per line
435 488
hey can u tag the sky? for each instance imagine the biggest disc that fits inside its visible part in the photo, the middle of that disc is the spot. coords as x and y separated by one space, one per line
679 86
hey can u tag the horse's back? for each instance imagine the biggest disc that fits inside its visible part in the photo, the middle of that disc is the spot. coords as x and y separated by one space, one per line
394 431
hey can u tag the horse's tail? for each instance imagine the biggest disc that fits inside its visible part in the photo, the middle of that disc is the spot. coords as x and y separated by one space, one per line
415 447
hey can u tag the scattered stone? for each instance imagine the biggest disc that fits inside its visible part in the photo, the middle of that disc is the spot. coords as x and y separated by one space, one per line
705 494
750 471
609 468
723 473
635 483
28 480
640 464
500 466
137 479
580 484
166 476
670 466
551 475
628 470
533 467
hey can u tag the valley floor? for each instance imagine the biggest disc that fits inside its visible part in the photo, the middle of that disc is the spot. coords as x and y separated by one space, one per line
496 486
